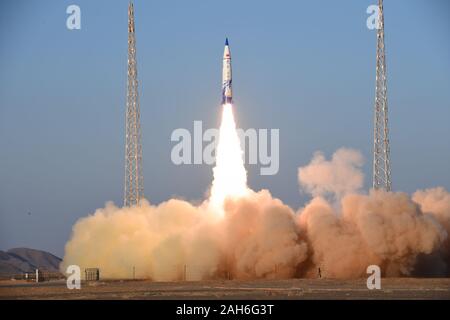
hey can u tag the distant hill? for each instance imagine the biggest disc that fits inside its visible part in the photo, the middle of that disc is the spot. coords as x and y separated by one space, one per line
20 260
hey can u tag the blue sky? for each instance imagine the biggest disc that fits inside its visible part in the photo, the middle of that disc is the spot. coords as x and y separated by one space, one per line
305 67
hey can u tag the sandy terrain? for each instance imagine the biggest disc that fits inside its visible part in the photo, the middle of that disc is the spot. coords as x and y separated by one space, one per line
391 288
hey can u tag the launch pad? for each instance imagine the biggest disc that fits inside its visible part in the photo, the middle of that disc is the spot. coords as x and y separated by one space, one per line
391 288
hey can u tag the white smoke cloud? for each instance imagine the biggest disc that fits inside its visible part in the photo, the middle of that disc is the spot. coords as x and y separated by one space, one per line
339 176
158 241
257 238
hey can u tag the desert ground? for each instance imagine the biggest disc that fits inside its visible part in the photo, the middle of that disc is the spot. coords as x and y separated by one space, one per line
391 288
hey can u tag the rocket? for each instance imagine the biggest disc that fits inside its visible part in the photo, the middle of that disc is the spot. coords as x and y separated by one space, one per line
227 95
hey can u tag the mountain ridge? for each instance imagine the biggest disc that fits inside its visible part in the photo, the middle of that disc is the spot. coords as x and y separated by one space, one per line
21 260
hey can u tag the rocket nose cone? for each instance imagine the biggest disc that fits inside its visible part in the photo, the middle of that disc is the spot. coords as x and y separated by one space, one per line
226 41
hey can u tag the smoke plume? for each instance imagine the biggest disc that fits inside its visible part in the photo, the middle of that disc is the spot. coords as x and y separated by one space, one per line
341 230
341 175
436 202
257 238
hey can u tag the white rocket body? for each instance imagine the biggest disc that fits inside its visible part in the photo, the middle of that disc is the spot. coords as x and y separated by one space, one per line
227 94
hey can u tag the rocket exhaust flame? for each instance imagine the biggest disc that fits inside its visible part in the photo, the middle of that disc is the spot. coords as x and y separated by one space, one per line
230 177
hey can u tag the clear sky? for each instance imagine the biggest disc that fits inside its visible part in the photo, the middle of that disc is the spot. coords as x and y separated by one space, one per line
305 67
